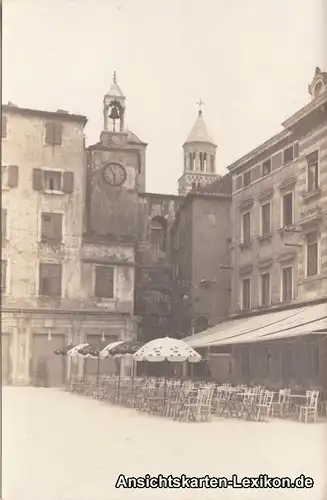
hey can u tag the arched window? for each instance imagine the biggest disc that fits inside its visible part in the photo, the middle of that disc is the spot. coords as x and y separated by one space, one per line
318 89
212 163
201 324
193 186
159 234
201 162
205 162
191 161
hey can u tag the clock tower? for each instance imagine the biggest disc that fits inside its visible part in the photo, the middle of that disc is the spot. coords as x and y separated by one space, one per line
115 173
199 158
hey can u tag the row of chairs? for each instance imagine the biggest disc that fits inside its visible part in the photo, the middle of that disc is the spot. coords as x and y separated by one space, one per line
189 400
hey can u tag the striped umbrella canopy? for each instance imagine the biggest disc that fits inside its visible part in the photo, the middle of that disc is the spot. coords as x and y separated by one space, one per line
166 348
106 351
64 350
75 350
89 351
127 348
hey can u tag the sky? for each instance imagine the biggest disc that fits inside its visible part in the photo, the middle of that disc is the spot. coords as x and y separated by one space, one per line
250 61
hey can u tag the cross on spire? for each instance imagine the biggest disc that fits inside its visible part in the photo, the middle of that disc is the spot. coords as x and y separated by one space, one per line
114 79
200 103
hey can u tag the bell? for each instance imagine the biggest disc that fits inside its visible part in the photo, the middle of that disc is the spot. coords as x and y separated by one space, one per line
114 113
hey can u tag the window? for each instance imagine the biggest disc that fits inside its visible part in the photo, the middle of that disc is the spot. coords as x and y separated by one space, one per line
158 235
247 178
51 228
313 172
53 133
192 160
288 155
277 161
9 176
104 282
246 228
266 167
287 210
3 276
296 150
239 182
53 181
50 280
265 289
3 126
265 219
4 223
287 283
318 89
212 163
312 253
201 162
246 294
205 162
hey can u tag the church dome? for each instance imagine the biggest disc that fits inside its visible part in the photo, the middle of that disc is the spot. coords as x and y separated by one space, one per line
199 132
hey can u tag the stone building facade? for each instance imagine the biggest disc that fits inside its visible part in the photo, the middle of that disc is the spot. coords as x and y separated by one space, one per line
279 212
42 192
200 240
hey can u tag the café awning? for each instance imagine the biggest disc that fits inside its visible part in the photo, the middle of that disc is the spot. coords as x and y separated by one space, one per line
304 320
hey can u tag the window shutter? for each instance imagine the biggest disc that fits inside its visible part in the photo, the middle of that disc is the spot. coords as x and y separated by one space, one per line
37 179
57 227
3 126
68 182
4 223
57 137
49 133
12 176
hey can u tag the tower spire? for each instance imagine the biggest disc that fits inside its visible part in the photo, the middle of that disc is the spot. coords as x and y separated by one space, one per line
114 78
200 103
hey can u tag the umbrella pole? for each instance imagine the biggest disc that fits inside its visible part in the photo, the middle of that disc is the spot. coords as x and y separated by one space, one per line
118 393
98 370
133 376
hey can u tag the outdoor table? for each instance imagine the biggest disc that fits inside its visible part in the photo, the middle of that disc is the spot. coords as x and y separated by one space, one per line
184 398
249 409
295 401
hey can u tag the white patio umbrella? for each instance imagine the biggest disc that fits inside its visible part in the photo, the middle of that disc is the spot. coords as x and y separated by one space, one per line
75 350
167 348
105 352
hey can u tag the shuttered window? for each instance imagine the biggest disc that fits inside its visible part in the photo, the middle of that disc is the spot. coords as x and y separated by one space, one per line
51 180
50 280
53 133
12 179
51 228
104 282
4 223
3 276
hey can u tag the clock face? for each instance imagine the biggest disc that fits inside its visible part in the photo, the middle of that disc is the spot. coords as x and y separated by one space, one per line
114 174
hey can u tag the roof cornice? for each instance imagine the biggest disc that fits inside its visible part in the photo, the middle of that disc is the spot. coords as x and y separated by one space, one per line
305 111
284 134
59 115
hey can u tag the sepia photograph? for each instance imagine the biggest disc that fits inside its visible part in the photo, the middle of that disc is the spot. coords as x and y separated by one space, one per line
163 250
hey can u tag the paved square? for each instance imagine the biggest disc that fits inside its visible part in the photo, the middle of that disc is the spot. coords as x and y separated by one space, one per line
58 446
